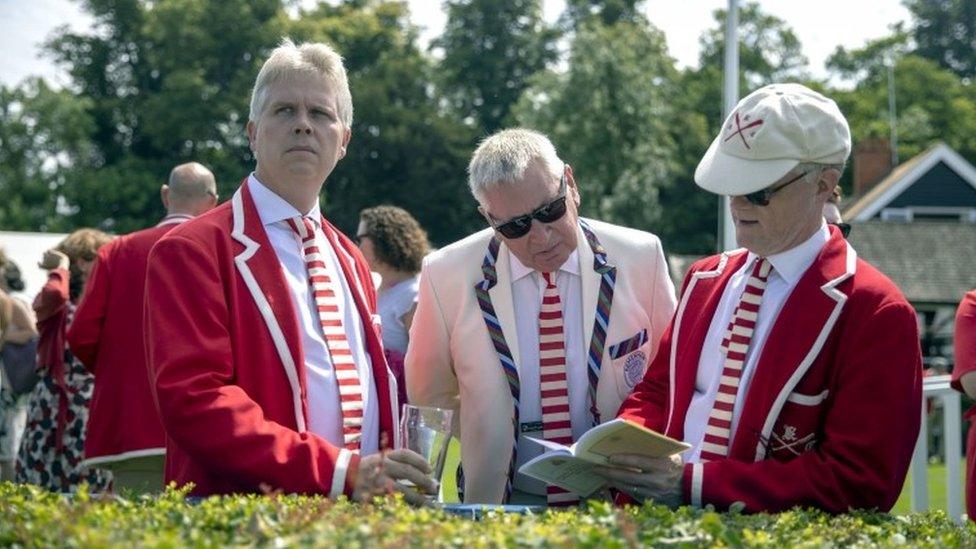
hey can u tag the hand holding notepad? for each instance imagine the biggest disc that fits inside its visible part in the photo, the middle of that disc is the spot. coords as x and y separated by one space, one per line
572 467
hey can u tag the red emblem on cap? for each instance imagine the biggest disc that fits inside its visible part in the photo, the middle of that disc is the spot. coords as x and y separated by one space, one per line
740 129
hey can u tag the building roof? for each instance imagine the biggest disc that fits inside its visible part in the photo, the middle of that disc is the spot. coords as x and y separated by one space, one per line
865 207
931 261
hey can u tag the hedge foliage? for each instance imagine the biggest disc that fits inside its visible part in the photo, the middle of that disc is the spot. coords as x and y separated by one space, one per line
31 517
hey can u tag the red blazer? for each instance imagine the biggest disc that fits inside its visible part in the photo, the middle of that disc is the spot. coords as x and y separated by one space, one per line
225 359
51 309
964 341
107 336
832 413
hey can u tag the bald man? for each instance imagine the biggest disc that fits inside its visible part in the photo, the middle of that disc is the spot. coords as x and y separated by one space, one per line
124 433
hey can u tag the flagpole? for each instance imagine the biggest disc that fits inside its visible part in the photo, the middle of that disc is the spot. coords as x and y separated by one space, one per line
730 96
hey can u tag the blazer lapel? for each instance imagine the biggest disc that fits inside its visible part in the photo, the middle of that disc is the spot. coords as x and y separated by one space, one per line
260 270
793 343
589 286
501 299
691 323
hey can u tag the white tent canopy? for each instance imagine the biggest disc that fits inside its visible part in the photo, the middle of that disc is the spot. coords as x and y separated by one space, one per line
26 249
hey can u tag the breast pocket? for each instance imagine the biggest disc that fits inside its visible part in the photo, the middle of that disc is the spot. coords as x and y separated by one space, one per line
797 429
628 359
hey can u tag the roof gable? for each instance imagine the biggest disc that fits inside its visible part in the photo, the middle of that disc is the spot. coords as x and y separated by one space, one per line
946 175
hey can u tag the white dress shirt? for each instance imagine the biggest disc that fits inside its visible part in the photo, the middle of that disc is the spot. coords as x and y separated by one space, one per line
788 268
324 408
528 287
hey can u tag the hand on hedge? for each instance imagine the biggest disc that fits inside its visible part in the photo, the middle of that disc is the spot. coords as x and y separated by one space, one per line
53 259
379 474
646 478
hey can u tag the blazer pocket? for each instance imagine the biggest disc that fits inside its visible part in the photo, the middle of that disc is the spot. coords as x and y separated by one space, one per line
629 359
796 430
807 400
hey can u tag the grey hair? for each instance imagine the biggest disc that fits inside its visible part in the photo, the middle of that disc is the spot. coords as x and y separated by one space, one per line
504 157
816 168
310 58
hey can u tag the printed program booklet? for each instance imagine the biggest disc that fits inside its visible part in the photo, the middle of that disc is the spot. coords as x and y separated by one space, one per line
571 467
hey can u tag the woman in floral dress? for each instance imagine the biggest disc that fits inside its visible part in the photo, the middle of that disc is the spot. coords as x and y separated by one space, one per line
53 446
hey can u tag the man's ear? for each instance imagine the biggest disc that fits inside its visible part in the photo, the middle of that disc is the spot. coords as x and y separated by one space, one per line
347 135
828 179
484 214
571 187
164 195
251 133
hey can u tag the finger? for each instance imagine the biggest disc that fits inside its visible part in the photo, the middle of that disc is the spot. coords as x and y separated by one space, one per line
411 458
635 461
620 476
410 494
403 471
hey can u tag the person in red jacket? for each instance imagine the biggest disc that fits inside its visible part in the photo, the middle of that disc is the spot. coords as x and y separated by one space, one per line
964 379
791 367
52 448
124 432
261 327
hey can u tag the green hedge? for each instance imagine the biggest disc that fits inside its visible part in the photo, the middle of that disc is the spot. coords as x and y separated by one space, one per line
30 517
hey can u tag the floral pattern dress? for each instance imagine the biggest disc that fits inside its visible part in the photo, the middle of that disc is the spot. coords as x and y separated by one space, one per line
53 445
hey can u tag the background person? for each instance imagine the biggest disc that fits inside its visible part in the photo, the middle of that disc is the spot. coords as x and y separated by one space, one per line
53 445
964 380
17 326
394 245
124 433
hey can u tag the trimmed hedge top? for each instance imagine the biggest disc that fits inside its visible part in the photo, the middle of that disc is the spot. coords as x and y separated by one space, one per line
32 517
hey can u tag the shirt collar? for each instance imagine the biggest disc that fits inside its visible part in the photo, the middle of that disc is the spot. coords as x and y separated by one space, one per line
272 208
792 263
571 266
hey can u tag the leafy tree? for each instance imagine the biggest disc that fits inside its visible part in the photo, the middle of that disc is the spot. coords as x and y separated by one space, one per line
945 32
870 61
165 82
769 50
403 150
43 139
611 115
490 50
605 12
933 104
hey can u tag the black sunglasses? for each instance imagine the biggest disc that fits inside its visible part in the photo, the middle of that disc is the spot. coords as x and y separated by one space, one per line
844 228
547 213
762 196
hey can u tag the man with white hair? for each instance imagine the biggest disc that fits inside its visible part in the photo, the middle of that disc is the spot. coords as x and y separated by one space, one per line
124 433
269 373
539 325
792 366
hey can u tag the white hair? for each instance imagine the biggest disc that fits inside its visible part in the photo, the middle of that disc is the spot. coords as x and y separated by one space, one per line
311 58
504 157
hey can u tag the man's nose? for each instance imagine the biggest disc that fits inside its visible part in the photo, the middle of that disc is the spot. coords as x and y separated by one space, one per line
302 124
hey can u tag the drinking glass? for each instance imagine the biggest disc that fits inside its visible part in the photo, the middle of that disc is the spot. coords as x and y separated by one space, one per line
427 431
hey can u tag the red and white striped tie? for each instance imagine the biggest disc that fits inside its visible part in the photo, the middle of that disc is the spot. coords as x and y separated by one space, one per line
330 319
556 425
735 346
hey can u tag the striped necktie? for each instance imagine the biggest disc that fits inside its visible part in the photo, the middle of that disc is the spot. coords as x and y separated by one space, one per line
556 425
330 319
735 346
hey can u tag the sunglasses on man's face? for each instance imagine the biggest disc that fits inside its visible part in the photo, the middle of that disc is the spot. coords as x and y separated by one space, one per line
547 213
762 196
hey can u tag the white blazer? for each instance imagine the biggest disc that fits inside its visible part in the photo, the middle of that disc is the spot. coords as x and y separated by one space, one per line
452 362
